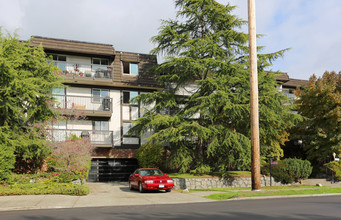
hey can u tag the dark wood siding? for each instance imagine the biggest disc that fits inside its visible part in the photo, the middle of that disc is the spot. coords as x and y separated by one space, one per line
145 62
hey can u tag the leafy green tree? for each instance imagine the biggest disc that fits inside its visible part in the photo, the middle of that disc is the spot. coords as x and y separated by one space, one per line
320 103
26 79
210 125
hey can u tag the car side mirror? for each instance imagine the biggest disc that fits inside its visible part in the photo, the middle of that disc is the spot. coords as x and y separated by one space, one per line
165 174
137 175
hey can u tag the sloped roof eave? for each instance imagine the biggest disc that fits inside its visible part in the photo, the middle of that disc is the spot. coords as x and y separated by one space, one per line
73 46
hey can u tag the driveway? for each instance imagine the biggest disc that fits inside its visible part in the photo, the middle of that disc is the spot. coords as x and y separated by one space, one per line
118 193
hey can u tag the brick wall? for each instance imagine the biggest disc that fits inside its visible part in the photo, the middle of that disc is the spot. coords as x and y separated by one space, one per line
114 153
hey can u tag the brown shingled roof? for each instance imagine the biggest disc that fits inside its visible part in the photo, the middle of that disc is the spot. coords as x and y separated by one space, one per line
294 83
73 46
283 77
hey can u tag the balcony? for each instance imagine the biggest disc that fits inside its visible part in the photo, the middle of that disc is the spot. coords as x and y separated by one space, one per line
291 98
97 138
84 71
83 105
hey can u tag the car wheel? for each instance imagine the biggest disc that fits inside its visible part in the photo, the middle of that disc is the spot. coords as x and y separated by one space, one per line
130 186
168 190
140 188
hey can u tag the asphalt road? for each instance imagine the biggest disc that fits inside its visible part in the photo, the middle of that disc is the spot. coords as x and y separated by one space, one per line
325 207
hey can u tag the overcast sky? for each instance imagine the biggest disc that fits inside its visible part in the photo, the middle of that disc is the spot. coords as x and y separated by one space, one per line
311 28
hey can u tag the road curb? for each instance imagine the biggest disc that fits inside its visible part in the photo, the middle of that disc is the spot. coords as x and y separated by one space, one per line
283 197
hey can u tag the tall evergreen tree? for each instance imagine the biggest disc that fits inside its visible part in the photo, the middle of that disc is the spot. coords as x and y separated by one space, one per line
26 80
209 128
25 83
320 103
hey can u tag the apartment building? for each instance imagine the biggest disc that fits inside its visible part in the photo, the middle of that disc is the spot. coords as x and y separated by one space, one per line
100 83
287 86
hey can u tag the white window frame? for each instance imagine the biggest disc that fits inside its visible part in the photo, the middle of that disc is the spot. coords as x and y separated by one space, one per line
94 99
129 67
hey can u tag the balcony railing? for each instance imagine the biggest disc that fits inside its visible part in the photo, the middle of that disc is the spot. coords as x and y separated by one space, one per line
291 97
84 70
82 103
96 137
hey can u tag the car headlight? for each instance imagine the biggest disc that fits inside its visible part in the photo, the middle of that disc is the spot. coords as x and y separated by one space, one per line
148 181
169 181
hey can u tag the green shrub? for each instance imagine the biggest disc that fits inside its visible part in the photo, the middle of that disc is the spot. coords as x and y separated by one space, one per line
44 189
203 169
30 151
7 157
65 177
7 160
49 177
151 155
336 167
28 178
289 170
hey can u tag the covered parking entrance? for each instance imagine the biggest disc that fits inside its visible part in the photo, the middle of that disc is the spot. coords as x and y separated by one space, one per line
108 170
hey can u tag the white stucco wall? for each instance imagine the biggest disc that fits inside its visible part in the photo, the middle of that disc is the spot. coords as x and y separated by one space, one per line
115 121
79 125
187 90
78 91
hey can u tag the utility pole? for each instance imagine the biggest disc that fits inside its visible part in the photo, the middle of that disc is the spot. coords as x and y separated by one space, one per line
255 149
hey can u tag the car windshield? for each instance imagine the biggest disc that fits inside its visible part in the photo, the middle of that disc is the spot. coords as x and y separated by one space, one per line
150 172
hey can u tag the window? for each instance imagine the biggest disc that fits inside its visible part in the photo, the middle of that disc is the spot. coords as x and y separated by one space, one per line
100 125
58 131
58 91
127 96
99 94
288 92
126 127
57 57
60 60
130 68
59 97
100 61
130 112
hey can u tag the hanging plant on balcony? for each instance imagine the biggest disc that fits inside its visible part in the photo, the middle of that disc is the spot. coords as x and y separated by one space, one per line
76 67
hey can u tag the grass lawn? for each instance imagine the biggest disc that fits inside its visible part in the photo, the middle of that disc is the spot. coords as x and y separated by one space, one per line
273 192
44 189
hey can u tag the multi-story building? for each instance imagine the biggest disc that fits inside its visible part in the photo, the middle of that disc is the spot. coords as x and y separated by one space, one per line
100 83
287 86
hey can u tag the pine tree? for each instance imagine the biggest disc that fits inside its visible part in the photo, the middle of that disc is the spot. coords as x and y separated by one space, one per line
26 80
209 130
25 83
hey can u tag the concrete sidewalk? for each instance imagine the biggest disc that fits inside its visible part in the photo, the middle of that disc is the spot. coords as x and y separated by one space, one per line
101 194
116 194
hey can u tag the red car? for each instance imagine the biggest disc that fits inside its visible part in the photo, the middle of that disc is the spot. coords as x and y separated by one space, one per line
150 179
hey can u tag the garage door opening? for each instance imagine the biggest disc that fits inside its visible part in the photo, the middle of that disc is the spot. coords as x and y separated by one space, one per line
109 170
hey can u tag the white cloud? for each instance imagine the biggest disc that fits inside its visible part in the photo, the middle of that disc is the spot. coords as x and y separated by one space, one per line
11 15
309 28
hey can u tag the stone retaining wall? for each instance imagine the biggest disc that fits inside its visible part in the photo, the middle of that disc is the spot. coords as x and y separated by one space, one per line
216 182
